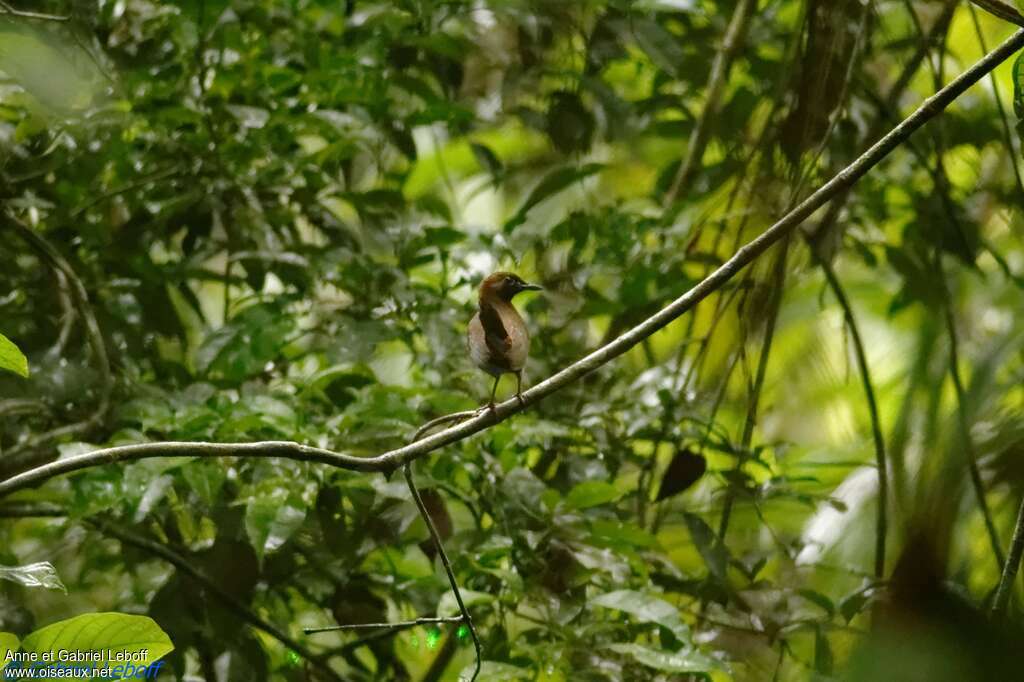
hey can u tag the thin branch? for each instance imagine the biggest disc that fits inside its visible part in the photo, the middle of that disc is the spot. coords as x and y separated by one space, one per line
400 625
778 280
1002 10
466 618
720 68
7 9
881 520
156 176
388 462
1011 566
242 611
965 428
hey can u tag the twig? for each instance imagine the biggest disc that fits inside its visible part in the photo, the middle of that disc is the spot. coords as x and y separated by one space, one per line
234 605
1011 566
881 520
407 470
7 9
389 461
1002 10
965 427
156 176
400 625
778 279
720 68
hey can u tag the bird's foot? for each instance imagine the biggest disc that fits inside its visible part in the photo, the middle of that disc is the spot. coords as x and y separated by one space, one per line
519 397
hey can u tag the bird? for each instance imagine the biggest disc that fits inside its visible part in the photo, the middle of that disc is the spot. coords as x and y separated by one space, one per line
497 338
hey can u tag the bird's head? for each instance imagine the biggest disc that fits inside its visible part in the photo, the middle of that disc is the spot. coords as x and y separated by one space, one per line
504 285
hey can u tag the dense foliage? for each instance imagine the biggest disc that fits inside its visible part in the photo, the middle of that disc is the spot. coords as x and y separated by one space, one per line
239 220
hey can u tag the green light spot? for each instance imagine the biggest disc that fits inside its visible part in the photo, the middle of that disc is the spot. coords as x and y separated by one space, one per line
462 632
292 658
433 637
415 642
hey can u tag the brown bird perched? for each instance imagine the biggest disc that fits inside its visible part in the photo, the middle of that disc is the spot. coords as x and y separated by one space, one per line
497 337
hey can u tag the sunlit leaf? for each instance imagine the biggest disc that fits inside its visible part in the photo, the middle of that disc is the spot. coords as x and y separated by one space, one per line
645 608
11 358
686 661
41 574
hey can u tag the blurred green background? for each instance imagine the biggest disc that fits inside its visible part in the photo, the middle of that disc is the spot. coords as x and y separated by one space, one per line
277 214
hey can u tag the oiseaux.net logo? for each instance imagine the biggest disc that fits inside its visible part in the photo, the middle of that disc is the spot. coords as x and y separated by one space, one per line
43 670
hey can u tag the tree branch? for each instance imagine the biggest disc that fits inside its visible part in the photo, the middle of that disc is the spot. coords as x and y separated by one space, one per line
388 462
7 9
1002 10
407 470
1011 566
881 462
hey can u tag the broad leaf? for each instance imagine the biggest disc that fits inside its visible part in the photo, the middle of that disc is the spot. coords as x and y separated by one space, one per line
553 183
99 633
714 554
41 574
11 357
592 493
646 608
687 661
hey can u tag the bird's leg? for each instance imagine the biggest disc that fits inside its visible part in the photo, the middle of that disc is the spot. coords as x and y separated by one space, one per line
519 387
494 389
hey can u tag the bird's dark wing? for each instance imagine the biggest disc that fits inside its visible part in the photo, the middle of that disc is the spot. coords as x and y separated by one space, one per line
495 335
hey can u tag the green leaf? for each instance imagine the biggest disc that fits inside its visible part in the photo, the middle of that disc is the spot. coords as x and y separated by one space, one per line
57 73
646 608
823 659
715 556
488 160
492 671
244 346
819 599
592 493
8 643
11 357
691 661
97 633
553 183
854 604
448 607
661 45
271 519
41 574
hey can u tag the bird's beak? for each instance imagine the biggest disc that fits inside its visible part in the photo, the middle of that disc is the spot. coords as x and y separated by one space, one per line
531 287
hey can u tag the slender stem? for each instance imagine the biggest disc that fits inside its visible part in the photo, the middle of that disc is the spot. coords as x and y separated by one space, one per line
466 618
390 461
6 8
399 625
965 427
1012 565
1002 10
778 280
881 462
